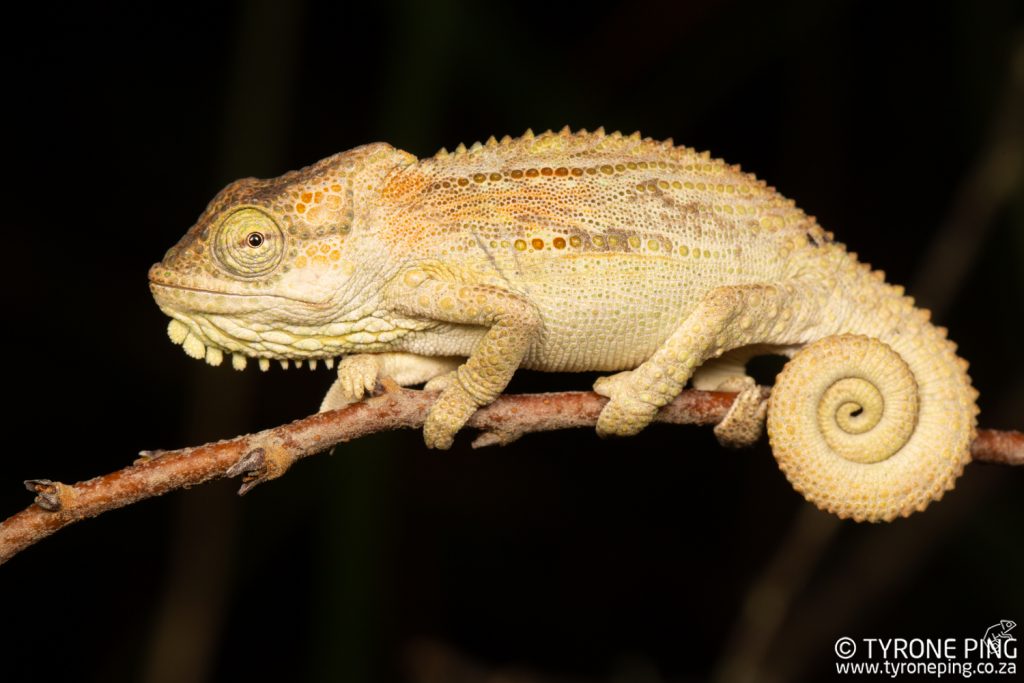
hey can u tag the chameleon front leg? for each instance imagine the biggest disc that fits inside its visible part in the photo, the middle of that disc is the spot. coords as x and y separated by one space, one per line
727 318
512 323
358 374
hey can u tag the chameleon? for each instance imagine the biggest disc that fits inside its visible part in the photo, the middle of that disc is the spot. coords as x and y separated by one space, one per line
582 251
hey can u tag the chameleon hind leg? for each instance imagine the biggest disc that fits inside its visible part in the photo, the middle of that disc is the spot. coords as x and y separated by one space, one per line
868 426
727 318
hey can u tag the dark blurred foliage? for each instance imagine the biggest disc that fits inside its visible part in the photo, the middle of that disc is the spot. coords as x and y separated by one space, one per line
562 555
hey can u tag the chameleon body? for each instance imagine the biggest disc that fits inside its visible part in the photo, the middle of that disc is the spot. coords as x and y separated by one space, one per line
581 251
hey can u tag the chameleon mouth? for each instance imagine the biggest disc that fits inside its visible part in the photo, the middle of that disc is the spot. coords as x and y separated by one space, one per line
182 294
199 347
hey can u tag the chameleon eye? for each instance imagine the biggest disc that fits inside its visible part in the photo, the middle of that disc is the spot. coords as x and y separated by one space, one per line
248 243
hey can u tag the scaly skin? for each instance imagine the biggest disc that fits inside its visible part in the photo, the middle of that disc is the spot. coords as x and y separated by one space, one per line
572 252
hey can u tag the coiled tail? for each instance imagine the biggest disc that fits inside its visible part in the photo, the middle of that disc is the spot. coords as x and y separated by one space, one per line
873 428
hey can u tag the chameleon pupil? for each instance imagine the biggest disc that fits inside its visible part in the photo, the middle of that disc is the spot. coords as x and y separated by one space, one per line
254 239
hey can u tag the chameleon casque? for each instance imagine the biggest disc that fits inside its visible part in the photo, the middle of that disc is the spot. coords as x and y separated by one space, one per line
574 252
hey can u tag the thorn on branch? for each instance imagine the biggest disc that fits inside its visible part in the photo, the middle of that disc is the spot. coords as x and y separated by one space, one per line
49 494
145 456
495 437
252 466
260 465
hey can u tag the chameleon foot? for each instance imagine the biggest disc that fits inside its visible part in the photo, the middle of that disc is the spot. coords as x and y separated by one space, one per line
744 423
447 416
625 414
357 377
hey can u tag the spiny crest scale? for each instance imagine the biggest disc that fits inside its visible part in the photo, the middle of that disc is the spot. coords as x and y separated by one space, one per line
567 140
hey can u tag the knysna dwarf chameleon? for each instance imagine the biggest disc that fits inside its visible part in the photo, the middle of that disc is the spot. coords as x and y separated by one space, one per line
574 252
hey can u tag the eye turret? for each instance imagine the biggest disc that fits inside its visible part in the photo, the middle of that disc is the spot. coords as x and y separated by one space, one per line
248 243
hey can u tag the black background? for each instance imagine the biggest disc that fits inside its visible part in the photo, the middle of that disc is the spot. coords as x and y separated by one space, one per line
562 557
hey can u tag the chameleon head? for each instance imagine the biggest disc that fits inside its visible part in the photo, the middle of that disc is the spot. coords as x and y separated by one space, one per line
277 269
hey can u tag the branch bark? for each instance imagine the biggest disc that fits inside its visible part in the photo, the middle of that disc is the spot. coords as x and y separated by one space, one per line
268 454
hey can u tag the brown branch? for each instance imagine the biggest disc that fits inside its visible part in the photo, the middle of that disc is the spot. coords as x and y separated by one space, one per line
268 454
